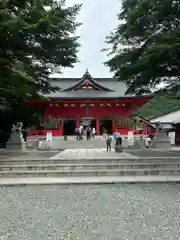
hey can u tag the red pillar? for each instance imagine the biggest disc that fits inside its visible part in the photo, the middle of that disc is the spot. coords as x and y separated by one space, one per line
97 126
113 126
60 128
77 121
46 121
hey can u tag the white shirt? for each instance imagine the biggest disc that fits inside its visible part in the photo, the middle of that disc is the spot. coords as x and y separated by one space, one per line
93 130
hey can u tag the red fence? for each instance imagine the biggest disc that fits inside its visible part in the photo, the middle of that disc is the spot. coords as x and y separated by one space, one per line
44 132
58 132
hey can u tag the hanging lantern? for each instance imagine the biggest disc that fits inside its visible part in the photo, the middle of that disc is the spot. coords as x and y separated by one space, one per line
109 105
83 105
86 110
92 105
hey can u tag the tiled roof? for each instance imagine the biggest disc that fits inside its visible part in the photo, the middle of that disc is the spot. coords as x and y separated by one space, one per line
173 117
88 87
88 94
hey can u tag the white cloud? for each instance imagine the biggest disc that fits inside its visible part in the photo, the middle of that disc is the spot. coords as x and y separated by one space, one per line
98 18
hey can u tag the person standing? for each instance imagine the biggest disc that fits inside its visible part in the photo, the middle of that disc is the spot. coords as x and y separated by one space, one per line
77 133
80 132
93 132
148 142
24 134
88 132
108 142
104 133
118 144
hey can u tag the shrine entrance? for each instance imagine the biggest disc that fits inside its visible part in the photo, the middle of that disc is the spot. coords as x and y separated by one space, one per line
69 127
106 125
93 124
91 121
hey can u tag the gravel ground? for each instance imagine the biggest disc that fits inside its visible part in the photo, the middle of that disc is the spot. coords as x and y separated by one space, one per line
91 212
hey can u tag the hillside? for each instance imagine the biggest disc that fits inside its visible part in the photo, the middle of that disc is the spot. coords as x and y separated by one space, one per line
159 105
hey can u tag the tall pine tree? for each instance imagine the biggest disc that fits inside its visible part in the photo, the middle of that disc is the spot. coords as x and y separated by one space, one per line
145 46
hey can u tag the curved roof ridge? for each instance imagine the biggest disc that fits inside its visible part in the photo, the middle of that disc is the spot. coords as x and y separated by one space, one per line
91 81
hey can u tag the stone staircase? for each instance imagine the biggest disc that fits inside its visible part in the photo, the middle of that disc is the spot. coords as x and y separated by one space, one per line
73 143
86 168
88 144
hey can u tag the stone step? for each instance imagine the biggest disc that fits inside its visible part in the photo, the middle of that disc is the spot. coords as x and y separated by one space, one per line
89 166
87 180
91 173
75 145
89 144
103 160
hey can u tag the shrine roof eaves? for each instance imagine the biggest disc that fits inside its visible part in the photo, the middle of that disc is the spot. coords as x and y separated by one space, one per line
112 84
96 97
78 79
87 81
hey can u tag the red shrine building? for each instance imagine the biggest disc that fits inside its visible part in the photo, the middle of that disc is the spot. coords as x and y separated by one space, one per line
99 102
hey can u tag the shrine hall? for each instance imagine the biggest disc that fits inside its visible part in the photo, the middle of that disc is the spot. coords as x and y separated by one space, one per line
98 102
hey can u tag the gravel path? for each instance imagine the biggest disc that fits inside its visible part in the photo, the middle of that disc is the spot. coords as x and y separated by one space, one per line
90 212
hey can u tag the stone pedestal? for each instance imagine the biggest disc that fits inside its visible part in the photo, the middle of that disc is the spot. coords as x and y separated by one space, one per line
16 142
139 143
162 140
136 144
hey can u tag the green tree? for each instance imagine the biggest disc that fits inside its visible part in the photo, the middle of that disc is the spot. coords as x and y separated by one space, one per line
37 38
162 103
145 45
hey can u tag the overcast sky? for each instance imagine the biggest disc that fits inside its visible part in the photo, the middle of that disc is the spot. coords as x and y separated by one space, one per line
98 18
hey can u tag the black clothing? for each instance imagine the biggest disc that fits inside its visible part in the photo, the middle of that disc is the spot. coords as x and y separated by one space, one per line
108 143
119 141
118 145
88 135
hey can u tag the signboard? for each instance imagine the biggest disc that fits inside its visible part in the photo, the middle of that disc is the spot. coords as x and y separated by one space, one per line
49 136
45 145
130 138
172 137
122 122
